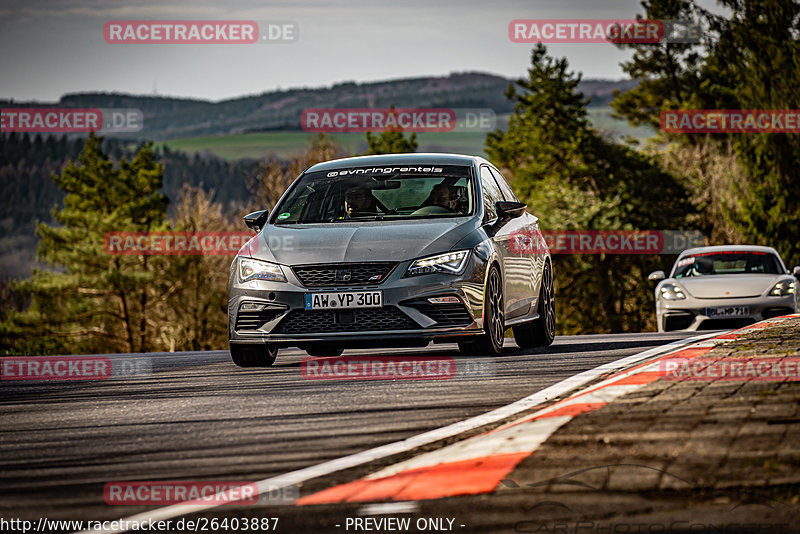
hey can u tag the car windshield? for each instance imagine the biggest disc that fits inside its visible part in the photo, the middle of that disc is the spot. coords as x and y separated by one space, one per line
378 193
727 262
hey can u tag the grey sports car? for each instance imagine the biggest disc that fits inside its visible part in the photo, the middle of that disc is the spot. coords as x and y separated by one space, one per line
386 251
724 287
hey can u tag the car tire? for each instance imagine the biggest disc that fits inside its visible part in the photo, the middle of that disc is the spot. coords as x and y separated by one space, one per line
254 355
542 331
324 352
491 342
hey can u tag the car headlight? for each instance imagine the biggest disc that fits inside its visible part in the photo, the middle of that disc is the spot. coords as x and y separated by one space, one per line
672 292
783 288
250 269
449 263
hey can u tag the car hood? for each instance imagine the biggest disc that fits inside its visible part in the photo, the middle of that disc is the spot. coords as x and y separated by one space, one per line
359 241
721 286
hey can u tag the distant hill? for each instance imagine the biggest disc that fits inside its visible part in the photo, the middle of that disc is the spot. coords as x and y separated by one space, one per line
170 118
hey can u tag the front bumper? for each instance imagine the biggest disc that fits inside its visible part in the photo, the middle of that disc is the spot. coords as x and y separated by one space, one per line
691 313
405 318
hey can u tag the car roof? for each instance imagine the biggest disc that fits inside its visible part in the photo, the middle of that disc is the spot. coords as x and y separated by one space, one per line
733 248
398 159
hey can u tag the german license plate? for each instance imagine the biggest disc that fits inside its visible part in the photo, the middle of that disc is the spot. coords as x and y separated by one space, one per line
344 300
728 311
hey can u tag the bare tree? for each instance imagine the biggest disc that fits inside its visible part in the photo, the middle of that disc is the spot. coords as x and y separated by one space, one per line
275 175
193 303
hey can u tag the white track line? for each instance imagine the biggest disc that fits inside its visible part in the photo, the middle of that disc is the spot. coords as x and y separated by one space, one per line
390 449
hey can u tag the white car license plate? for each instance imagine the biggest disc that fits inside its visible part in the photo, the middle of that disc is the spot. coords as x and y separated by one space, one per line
728 311
344 300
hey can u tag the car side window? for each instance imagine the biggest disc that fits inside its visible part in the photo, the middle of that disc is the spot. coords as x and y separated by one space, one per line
508 193
491 192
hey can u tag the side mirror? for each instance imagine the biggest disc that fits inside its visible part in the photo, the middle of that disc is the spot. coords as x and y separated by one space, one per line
796 271
256 220
508 210
656 276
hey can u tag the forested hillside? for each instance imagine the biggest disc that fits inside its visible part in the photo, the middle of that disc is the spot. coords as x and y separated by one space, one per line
169 118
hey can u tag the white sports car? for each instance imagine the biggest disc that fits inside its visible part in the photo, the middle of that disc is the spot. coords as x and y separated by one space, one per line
724 287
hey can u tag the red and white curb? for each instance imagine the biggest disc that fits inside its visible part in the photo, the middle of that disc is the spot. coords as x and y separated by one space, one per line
478 464
483 474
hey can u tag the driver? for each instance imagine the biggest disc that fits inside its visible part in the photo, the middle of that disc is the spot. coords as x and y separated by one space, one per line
445 196
359 200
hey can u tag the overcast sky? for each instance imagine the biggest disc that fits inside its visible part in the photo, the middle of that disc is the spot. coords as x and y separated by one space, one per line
55 47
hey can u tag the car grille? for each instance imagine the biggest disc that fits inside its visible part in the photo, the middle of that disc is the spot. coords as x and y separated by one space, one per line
253 320
360 320
769 313
350 274
444 314
678 321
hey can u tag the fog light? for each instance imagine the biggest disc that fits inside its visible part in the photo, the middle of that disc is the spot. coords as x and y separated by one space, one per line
251 306
444 300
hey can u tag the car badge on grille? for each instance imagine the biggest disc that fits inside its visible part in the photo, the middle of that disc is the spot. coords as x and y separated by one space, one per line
343 275
375 278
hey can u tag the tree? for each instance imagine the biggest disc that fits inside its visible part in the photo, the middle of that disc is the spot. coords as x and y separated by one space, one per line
576 180
391 141
667 72
275 175
193 291
756 63
751 61
93 301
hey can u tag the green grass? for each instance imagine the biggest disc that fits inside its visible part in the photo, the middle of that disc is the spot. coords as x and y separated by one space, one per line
603 121
284 144
253 145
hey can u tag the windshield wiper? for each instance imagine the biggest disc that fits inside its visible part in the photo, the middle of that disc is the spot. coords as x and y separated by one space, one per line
364 218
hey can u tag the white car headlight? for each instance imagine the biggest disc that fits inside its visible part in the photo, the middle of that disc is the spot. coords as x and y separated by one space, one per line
672 292
783 288
449 263
250 269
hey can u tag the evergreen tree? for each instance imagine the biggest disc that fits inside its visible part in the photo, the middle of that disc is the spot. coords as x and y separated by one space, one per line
751 60
576 180
92 300
391 141
667 72
756 63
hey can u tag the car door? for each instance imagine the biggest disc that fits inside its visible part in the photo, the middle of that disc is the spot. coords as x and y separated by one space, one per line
513 264
527 261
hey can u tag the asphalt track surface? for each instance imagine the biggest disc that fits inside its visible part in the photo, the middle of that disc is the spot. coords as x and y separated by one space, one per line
195 416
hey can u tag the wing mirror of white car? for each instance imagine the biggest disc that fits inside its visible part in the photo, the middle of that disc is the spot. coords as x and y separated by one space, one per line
656 276
255 221
796 271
